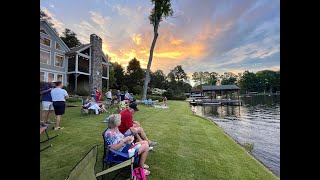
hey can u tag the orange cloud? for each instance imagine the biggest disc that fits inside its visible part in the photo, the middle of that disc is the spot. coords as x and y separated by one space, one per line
136 38
171 49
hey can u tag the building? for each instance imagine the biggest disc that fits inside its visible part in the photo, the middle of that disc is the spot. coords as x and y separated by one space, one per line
83 67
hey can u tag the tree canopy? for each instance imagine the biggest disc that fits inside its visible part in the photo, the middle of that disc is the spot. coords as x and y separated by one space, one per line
70 38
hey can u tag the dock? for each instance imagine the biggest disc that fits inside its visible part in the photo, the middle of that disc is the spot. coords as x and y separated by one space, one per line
220 102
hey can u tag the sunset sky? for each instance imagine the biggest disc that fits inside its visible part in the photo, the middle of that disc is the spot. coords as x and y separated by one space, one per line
203 35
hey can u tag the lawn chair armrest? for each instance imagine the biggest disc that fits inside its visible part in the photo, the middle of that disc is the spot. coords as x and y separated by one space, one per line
126 155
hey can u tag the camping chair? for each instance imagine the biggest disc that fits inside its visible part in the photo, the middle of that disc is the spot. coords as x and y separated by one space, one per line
110 159
85 168
44 129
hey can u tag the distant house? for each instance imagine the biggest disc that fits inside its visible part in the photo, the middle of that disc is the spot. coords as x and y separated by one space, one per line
83 67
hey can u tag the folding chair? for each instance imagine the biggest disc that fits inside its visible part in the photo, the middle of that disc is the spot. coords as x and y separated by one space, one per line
85 168
110 159
44 129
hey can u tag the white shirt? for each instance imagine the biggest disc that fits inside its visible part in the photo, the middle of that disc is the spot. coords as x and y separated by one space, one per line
109 95
58 94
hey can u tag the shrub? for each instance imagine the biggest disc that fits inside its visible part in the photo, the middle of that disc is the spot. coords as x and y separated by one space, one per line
168 94
155 97
248 146
81 92
124 88
73 99
137 89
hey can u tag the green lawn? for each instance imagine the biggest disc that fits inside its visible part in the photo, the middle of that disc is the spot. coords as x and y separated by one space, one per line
189 147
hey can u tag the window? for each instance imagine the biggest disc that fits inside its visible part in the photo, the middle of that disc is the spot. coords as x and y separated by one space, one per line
43 31
50 77
42 76
59 60
58 47
44 56
45 41
59 77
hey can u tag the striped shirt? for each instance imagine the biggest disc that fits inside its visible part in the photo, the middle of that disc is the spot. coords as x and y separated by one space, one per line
58 94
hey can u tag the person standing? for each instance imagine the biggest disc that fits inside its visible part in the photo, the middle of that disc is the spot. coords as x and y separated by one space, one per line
94 93
59 96
47 107
109 97
119 95
98 93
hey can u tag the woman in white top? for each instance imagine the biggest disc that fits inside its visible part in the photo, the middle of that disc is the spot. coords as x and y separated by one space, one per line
59 96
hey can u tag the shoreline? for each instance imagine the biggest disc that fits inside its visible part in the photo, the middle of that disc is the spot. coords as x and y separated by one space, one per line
238 143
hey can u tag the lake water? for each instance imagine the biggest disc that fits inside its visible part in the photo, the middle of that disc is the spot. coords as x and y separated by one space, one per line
257 122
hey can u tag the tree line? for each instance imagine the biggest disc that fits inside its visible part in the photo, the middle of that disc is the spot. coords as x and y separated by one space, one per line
261 81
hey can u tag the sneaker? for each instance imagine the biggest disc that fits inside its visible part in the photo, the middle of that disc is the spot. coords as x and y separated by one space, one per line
57 128
150 148
48 122
152 143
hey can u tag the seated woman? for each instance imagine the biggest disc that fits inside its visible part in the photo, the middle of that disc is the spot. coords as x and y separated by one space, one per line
116 140
94 106
86 103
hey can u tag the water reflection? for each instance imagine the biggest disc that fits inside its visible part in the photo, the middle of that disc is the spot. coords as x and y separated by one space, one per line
257 121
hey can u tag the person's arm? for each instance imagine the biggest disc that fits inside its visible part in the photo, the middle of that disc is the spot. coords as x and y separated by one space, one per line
66 95
45 91
121 143
136 123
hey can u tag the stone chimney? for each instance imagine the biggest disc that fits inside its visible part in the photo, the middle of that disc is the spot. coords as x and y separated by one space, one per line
96 62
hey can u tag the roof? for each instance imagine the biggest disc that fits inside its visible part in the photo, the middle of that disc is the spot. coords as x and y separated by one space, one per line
220 88
195 90
63 44
75 49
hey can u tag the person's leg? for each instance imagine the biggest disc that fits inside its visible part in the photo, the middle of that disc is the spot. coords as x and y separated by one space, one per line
50 112
143 152
45 111
58 119
141 133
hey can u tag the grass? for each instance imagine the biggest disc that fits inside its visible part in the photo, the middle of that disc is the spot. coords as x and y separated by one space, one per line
189 147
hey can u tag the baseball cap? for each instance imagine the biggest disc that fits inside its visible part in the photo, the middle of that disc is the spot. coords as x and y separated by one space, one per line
134 106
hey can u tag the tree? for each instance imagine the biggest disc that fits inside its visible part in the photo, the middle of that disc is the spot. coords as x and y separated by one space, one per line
135 75
70 38
179 74
44 16
178 80
248 82
112 78
161 9
118 74
212 79
158 79
205 78
228 78
267 80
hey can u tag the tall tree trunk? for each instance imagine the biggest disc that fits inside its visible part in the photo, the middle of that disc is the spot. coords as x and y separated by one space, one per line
146 80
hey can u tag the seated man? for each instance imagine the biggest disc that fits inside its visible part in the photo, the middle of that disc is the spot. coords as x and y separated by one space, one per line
130 127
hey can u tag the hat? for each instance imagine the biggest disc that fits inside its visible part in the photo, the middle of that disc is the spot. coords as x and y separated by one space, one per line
134 106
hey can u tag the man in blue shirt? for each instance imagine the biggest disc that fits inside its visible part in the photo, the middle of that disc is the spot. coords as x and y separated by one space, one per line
47 107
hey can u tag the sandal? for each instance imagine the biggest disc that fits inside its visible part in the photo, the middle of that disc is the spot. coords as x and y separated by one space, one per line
145 166
147 172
